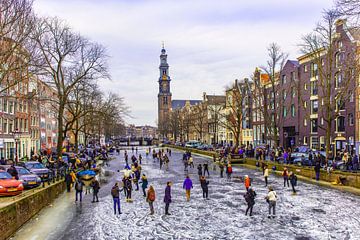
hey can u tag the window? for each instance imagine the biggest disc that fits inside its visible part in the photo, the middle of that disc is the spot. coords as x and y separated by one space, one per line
351 96
305 140
314 125
10 126
314 87
337 59
165 102
293 92
5 129
284 94
305 104
305 68
305 86
340 124
314 106
338 79
11 106
284 111
305 122
340 105
322 62
340 44
283 79
314 70
5 109
314 143
351 119
322 121
293 76
292 110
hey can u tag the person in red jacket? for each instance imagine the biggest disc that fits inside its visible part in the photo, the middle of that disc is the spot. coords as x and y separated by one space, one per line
229 171
247 182
285 175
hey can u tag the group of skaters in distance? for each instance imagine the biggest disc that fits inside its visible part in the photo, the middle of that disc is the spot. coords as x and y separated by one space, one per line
132 176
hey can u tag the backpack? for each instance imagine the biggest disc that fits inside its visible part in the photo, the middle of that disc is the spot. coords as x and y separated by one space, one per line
151 196
247 197
229 169
78 186
114 192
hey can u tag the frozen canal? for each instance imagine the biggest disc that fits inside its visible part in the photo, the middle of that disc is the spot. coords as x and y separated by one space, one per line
315 213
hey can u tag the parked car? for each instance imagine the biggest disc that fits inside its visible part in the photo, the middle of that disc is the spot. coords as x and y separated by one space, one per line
8 185
205 147
39 169
30 180
192 144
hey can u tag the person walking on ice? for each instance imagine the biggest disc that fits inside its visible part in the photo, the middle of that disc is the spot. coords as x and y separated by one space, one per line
151 198
115 193
271 200
167 197
187 186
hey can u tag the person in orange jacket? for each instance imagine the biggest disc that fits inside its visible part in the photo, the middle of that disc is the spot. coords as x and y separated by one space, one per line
247 182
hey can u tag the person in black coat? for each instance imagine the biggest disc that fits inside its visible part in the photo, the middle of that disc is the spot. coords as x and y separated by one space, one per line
68 181
167 197
206 169
199 170
204 187
250 200
96 187
293 181
13 172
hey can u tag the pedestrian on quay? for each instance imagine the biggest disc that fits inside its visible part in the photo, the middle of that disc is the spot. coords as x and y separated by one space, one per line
204 186
221 166
140 159
144 184
169 152
293 181
151 198
68 181
271 200
161 161
266 174
96 187
115 193
250 200
317 171
229 171
167 160
187 186
199 171
191 162
285 175
206 169
128 187
136 178
167 197
78 190
247 182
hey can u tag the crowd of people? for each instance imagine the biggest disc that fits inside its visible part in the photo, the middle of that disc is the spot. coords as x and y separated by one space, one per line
131 177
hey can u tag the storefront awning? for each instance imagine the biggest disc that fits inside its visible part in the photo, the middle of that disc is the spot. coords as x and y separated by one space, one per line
340 138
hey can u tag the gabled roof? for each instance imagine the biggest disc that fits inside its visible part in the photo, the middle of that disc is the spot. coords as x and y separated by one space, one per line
215 99
175 104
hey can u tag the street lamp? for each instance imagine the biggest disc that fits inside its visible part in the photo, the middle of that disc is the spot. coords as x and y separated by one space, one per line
16 134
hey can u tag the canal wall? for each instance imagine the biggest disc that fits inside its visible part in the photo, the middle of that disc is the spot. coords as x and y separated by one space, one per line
22 209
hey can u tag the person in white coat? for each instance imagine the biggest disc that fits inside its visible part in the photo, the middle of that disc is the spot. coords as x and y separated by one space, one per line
266 175
271 200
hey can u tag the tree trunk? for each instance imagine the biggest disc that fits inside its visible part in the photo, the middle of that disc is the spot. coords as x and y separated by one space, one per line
60 127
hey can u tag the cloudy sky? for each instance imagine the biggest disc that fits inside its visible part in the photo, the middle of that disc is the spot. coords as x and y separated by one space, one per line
209 42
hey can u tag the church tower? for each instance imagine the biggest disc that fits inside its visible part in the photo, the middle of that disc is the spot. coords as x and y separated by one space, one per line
164 96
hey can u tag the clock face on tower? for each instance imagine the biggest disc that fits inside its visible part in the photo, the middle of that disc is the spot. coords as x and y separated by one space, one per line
165 86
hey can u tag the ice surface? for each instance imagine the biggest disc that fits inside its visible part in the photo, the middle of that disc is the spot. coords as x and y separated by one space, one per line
315 213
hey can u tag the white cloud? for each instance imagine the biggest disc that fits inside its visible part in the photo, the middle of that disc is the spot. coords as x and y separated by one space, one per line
210 43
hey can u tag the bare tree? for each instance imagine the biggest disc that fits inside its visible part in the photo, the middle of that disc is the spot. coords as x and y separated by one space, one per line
199 119
349 8
65 59
271 93
16 24
334 66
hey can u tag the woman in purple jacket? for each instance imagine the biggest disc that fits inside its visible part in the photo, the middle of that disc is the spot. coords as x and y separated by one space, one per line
187 186
167 198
